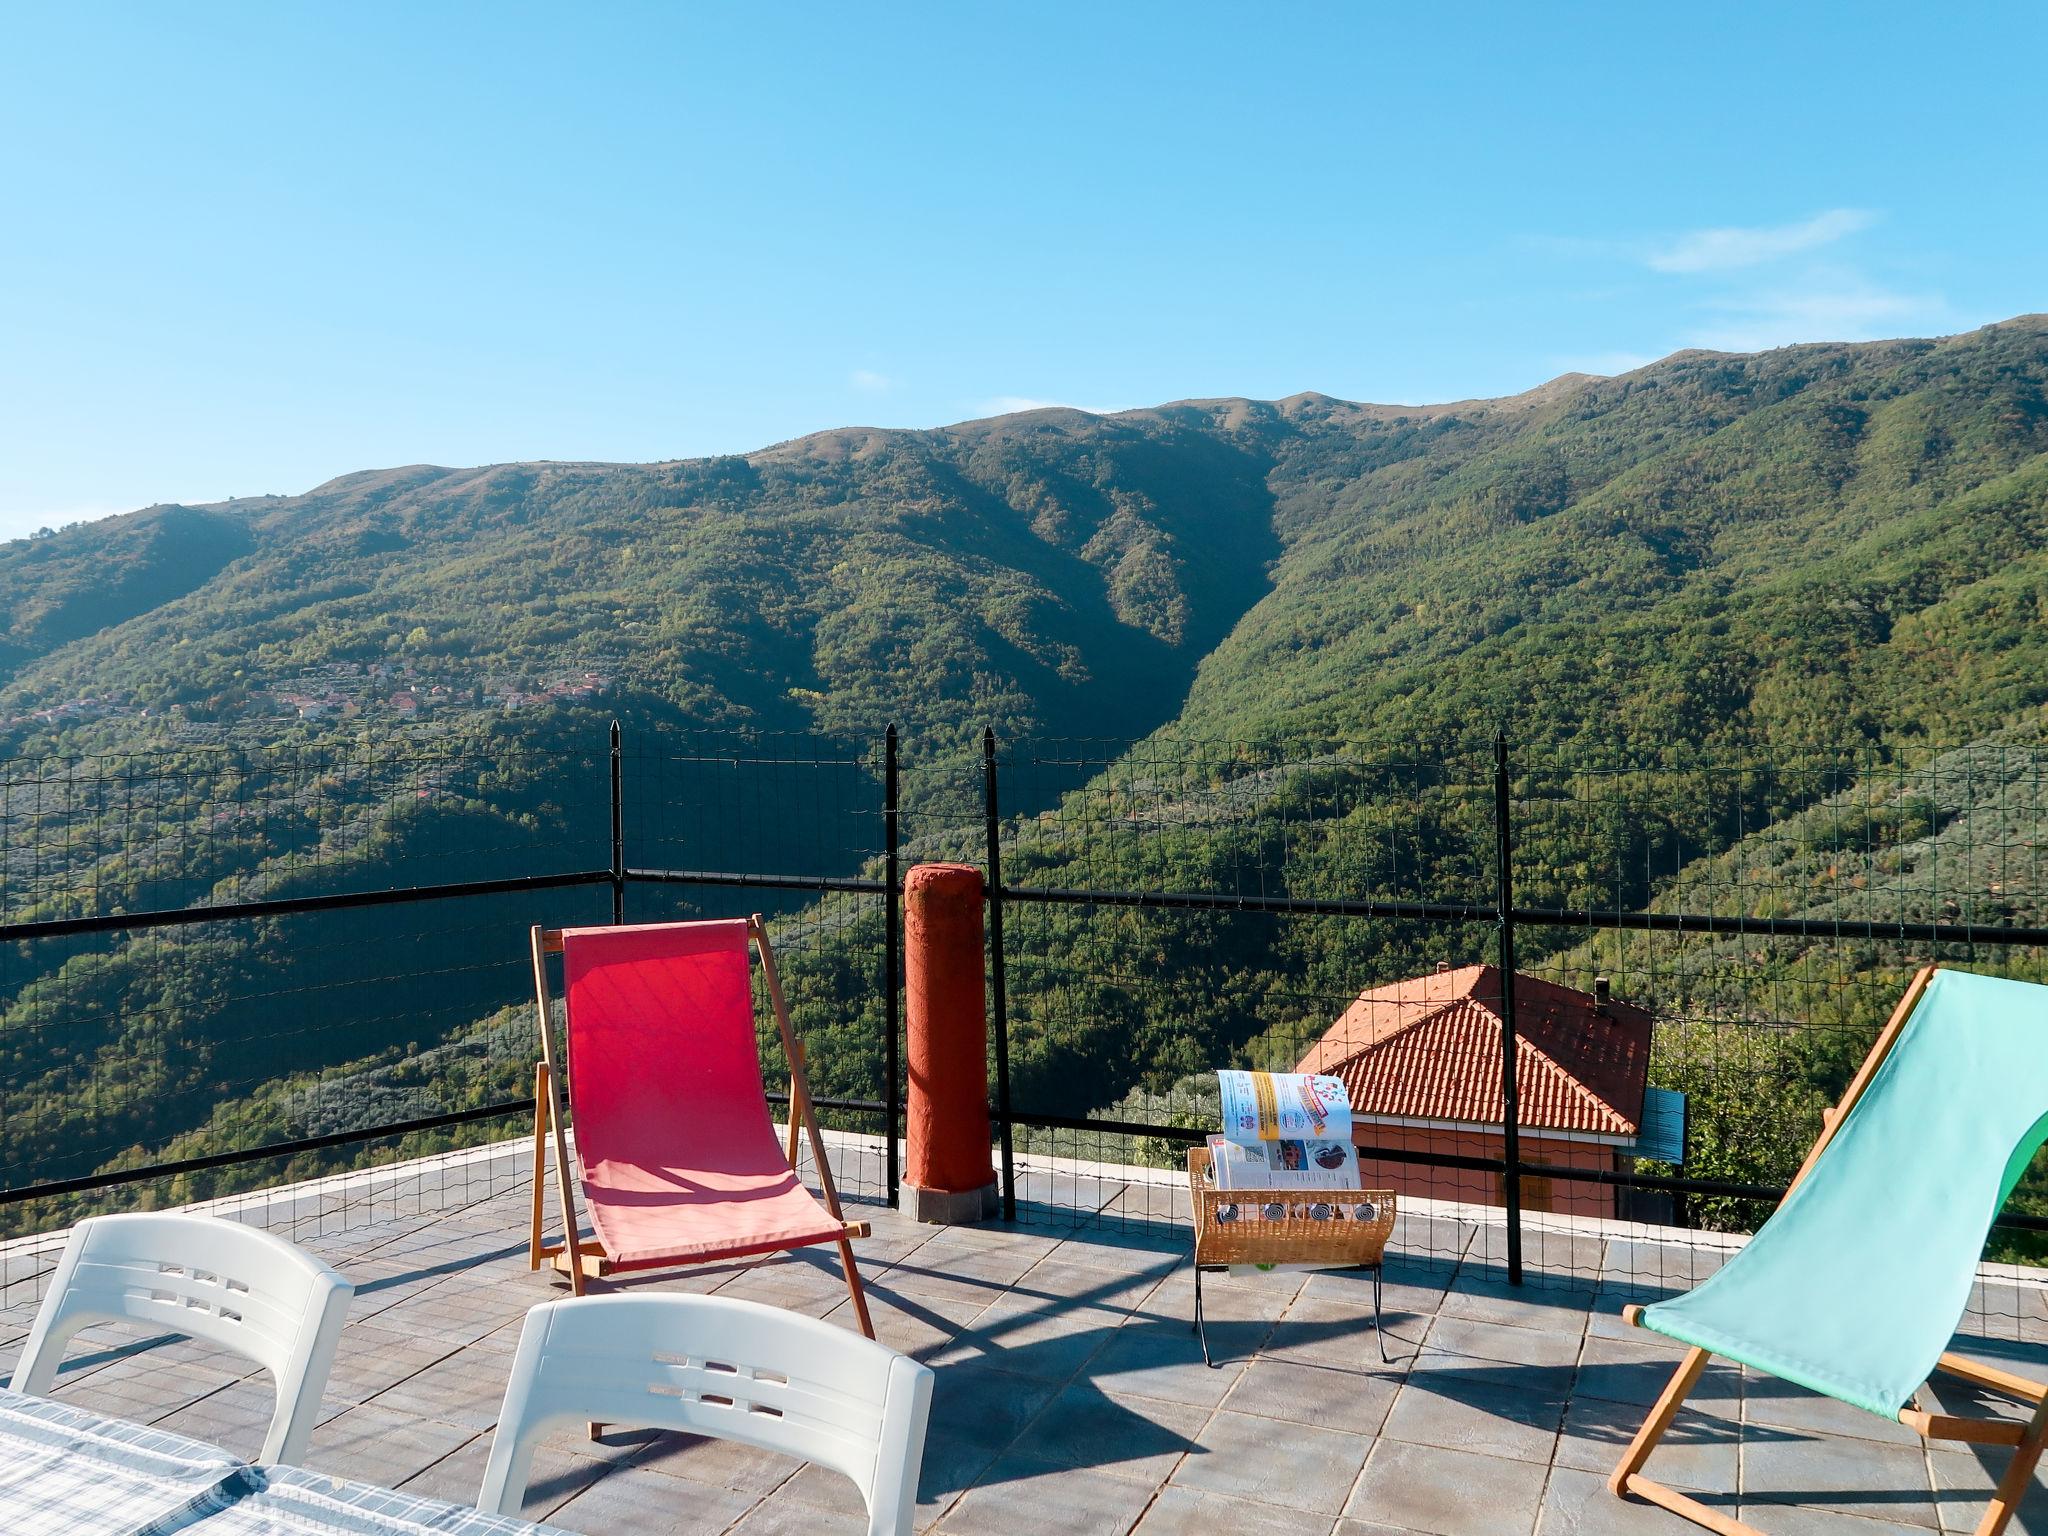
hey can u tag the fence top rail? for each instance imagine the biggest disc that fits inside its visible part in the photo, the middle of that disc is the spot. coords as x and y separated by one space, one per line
291 906
1872 929
864 760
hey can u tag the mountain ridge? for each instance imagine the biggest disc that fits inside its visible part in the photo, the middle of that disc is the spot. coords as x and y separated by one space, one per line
1286 407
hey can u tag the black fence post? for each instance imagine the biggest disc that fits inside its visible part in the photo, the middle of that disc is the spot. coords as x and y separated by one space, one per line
892 943
618 829
998 980
1511 1108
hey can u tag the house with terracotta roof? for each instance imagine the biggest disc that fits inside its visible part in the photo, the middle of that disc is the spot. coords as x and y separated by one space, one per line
1422 1060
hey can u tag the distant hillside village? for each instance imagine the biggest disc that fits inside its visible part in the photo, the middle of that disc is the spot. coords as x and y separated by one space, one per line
387 691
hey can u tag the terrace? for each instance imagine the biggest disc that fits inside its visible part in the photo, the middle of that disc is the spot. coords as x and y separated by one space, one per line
1071 1395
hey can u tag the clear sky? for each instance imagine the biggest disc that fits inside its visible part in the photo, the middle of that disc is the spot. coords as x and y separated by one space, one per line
246 248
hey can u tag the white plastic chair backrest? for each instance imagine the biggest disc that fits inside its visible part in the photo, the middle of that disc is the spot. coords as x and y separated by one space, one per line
733 1370
220 1281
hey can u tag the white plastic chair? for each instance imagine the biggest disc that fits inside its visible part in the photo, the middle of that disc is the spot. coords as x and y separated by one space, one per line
215 1280
734 1370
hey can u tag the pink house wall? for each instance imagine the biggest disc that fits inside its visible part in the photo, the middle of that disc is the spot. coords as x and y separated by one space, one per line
1564 1197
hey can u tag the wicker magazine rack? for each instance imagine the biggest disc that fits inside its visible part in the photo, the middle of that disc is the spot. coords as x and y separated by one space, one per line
1274 1226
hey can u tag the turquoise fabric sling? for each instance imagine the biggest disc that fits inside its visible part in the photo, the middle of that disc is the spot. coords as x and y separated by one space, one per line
1856 1283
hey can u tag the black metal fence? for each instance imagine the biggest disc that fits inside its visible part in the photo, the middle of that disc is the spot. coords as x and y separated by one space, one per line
188 1008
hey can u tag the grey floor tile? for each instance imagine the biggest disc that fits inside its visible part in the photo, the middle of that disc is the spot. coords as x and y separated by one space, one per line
1662 1267
379 1445
1181 1511
980 1405
1526 1359
1354 1402
968 1287
1435 1242
458 1477
1477 1418
1142 1438
795 1288
1964 1478
1058 1282
1578 1504
1699 1452
236 1418
1447 1492
451 1316
1806 1520
1767 1400
1551 1257
147 1388
1124 1252
1833 1472
1020 1494
820 1488
1340 1333
1948 1394
720 1463
2024 1361
950 1468
915 1326
1033 1338
1173 1300
1151 1203
1548 1309
1623 1371
1164 1360
1269 1461
1604 1321
465 1388
1406 1289
626 1499
367 1364
781 1515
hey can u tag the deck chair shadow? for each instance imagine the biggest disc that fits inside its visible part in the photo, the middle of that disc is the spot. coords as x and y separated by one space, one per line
679 1161
1855 1285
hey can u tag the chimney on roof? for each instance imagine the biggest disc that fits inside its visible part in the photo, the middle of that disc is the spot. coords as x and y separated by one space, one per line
1442 966
1600 996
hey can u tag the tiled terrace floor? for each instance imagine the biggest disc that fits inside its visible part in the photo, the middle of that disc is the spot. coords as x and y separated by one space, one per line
1071 1396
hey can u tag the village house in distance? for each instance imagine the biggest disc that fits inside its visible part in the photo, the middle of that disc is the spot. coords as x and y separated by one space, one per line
1422 1061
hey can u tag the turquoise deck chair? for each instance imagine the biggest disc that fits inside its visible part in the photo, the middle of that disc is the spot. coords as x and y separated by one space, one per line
1855 1285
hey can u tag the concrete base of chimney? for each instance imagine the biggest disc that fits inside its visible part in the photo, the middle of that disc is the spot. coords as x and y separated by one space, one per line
949 1207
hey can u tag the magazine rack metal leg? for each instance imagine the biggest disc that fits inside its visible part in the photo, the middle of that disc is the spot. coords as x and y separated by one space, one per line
1378 1327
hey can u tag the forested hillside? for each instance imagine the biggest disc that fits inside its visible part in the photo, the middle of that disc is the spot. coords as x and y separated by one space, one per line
1287 627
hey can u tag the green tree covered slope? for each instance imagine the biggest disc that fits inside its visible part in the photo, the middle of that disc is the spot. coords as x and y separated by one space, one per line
1737 555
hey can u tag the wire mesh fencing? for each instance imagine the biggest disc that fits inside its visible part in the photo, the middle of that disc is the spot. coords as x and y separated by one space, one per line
1188 905
227 972
1707 944
1767 915
801 830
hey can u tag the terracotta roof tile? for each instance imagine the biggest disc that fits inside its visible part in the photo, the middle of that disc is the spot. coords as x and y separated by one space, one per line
1429 1049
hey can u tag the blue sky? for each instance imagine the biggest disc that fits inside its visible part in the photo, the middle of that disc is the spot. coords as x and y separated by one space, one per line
246 248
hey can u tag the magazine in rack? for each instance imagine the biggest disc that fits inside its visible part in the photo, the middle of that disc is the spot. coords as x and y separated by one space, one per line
1284 1130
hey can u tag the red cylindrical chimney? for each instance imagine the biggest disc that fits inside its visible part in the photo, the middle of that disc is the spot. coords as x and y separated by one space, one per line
948 1174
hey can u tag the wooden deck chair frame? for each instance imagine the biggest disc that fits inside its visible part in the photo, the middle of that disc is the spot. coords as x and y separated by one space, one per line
580 1258
2027 1439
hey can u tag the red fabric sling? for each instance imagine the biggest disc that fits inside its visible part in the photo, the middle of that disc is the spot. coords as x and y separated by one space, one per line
680 1160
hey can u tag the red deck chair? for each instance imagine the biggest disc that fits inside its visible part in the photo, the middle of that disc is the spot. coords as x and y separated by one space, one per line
679 1159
